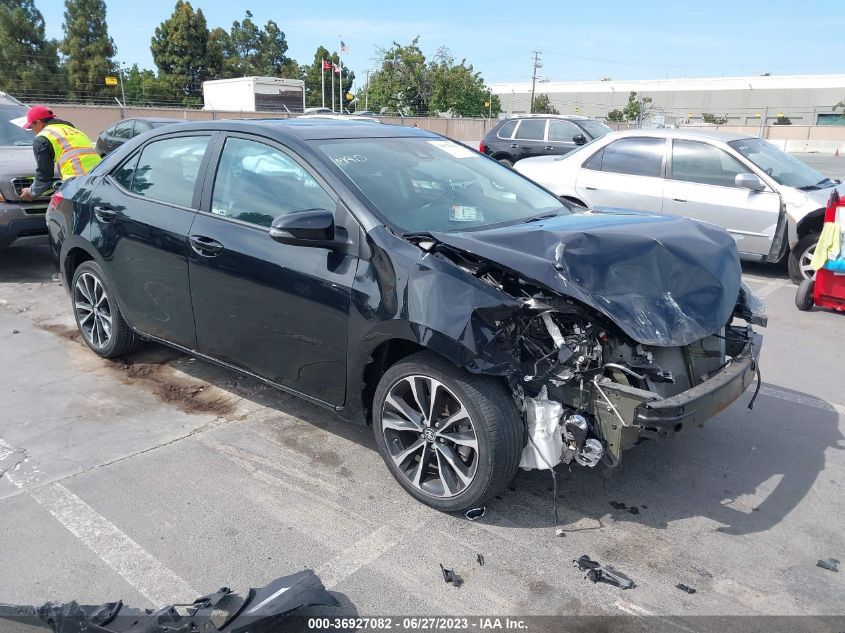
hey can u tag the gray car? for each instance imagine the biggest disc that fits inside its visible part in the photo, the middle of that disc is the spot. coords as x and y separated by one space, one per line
768 200
20 222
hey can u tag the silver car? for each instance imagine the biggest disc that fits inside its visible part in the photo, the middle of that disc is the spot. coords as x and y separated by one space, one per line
765 198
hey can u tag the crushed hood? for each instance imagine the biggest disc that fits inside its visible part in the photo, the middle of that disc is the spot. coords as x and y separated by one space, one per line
664 281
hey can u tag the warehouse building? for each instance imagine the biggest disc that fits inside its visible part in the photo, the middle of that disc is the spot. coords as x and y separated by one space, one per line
799 99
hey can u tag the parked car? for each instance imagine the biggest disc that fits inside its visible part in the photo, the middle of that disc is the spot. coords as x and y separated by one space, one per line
396 277
528 135
20 222
318 110
767 199
113 137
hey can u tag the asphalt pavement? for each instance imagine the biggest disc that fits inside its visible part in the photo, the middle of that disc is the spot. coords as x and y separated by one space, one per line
160 478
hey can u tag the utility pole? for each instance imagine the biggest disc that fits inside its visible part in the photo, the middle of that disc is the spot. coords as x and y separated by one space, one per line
367 91
537 64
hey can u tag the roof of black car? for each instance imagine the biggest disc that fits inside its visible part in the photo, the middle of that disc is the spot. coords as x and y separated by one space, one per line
309 129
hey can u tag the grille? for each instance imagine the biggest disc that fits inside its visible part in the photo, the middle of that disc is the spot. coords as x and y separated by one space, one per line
19 184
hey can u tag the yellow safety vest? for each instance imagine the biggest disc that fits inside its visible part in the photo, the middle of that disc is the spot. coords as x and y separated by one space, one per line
74 152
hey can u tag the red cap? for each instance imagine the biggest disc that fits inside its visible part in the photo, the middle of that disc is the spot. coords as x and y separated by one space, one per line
37 113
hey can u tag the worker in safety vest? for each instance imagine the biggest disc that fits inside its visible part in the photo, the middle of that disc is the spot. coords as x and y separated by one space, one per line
56 142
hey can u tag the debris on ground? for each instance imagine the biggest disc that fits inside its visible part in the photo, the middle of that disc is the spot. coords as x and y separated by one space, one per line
475 513
686 588
560 532
598 573
480 559
16 331
830 564
220 612
451 577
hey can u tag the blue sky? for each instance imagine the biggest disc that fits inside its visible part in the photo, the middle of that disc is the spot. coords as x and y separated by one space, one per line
578 40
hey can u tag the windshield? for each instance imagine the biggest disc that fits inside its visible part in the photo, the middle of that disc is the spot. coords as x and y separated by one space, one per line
596 129
423 184
785 169
11 134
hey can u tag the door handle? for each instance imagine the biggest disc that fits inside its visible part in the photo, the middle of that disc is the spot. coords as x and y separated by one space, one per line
205 246
549 148
678 199
105 213
514 146
588 188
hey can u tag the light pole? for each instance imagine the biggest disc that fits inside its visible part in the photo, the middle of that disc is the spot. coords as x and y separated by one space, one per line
537 64
122 93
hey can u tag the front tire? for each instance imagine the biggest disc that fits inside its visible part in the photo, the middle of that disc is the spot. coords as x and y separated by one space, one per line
450 438
804 295
97 315
800 258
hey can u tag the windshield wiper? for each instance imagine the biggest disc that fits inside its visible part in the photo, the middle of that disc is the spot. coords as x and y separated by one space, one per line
545 216
818 185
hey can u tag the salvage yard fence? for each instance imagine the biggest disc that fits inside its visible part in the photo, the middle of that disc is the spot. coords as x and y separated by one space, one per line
93 119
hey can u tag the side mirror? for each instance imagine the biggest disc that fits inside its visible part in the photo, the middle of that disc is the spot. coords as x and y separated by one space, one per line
749 181
311 227
579 139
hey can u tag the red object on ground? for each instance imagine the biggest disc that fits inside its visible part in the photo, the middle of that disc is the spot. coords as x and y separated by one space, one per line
829 288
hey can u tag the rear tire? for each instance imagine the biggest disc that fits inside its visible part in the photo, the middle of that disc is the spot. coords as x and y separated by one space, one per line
477 412
804 295
507 162
800 257
97 314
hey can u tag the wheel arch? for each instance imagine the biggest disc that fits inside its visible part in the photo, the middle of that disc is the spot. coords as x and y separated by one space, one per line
810 223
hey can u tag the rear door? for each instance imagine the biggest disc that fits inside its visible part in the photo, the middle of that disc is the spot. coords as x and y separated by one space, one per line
529 139
562 137
278 310
626 173
141 214
700 184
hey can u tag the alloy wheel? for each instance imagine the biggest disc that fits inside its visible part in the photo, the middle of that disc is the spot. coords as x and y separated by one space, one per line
430 436
93 310
804 262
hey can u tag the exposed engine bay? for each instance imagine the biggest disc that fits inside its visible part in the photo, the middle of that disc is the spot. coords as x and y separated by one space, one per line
587 390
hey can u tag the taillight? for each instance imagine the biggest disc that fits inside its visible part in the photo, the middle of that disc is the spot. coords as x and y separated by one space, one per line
482 148
55 199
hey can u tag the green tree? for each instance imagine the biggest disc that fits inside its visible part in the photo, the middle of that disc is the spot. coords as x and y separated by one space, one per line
29 61
143 88
458 89
616 116
542 105
783 120
181 53
401 84
708 117
638 109
89 50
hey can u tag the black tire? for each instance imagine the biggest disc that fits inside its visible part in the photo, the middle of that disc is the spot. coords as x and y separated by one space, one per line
507 162
121 339
803 249
804 295
494 420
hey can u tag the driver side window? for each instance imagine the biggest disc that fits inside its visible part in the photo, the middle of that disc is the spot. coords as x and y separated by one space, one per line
256 183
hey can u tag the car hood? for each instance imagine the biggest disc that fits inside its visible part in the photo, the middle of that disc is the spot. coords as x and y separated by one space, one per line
15 162
663 281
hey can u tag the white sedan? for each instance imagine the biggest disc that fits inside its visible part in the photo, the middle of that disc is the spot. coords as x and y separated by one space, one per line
764 197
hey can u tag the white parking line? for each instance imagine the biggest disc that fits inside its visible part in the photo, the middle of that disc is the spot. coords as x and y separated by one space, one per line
137 566
807 401
768 289
631 608
360 554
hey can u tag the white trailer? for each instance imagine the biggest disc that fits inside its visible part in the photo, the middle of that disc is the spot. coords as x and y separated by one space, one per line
254 94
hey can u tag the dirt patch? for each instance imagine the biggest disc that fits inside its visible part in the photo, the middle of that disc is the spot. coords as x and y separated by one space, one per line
186 394
62 331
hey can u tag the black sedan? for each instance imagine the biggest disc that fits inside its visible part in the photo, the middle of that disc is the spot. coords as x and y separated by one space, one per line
404 280
116 135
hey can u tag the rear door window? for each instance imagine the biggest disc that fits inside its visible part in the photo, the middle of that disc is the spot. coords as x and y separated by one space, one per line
638 156
531 130
123 129
168 169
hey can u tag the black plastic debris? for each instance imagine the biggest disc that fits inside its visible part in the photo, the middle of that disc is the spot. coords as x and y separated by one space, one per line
480 559
450 576
599 573
16 331
618 505
475 513
830 564
686 588
220 612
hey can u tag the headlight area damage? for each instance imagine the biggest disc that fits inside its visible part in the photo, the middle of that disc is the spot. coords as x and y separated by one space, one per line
606 337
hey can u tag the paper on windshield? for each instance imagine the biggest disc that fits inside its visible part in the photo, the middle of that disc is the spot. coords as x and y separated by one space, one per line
19 121
453 149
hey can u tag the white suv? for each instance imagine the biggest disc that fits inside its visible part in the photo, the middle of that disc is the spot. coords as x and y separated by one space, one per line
764 197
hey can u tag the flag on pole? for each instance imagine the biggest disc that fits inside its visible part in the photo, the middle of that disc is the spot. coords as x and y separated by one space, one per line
343 47
326 65
336 68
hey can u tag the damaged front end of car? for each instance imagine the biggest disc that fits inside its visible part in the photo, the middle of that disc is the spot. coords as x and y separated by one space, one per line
598 361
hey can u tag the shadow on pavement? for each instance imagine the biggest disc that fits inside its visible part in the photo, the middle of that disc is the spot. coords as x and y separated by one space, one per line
26 264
